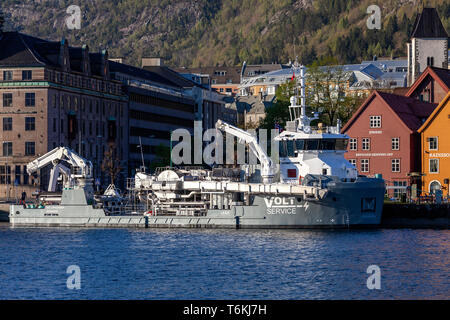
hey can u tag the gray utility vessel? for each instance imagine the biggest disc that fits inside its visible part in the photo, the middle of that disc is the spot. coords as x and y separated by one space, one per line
313 186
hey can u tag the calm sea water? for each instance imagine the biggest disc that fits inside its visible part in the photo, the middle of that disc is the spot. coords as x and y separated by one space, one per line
223 264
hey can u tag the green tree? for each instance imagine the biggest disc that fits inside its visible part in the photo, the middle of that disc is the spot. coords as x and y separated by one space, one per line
162 153
111 163
327 91
279 111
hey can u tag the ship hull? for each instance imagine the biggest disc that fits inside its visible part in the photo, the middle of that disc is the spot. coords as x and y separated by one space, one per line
346 205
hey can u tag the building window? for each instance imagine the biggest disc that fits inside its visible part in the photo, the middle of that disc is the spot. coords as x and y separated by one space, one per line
7 124
353 144
27 75
430 61
364 165
399 191
366 143
395 143
7 75
30 148
30 124
5 175
435 186
7 99
375 121
352 162
17 175
395 165
7 149
25 175
434 165
432 143
30 99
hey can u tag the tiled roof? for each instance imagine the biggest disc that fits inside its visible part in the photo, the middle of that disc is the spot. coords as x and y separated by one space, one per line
172 76
19 49
253 104
232 73
16 51
428 25
140 73
436 112
372 71
412 112
442 77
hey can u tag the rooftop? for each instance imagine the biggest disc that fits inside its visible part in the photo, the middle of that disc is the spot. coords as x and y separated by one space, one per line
411 112
428 25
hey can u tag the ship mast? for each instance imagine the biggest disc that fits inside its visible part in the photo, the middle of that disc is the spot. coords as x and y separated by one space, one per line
298 112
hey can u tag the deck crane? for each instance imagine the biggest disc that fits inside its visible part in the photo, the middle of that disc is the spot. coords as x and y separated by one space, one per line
267 166
79 175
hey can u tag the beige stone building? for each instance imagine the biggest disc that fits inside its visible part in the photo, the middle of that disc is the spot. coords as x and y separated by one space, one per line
55 95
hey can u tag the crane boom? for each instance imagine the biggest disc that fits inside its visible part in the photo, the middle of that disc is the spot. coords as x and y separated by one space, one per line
267 166
81 168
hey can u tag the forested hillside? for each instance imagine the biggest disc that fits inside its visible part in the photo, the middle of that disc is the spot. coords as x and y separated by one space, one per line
225 32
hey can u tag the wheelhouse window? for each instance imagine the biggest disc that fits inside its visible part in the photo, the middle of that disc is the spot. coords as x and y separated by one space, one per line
366 143
288 147
375 121
364 165
434 165
395 143
353 144
433 143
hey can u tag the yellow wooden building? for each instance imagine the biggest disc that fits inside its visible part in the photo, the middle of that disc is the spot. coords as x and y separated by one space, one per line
435 138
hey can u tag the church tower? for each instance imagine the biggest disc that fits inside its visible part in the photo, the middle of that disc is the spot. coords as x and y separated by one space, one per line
428 45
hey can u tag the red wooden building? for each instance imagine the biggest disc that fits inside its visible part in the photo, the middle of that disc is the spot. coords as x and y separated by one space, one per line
384 139
432 85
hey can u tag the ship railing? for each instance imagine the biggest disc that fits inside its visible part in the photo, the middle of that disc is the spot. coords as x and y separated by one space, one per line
130 183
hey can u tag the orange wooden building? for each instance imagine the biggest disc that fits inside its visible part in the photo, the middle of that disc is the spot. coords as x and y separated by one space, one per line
435 137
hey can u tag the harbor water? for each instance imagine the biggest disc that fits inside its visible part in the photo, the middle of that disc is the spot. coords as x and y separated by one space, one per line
223 264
